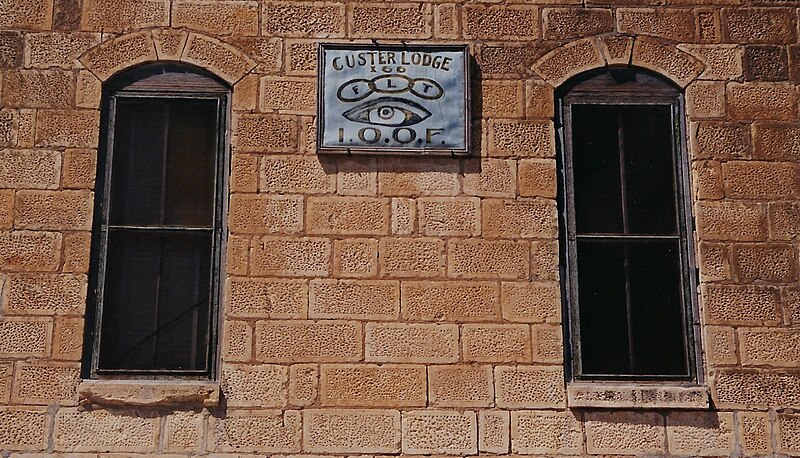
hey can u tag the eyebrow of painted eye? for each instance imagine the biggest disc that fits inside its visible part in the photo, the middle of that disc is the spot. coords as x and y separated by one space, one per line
412 112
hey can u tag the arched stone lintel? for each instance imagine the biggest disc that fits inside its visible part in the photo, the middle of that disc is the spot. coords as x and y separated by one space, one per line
113 56
564 62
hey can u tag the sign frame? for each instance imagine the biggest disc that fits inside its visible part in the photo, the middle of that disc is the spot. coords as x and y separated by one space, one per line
392 150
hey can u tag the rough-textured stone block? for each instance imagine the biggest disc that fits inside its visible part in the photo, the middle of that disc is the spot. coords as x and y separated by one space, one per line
784 220
789 434
25 336
237 255
759 25
490 177
48 210
501 99
261 431
669 61
260 213
769 347
493 431
403 216
672 24
28 251
45 294
401 176
254 386
263 133
23 428
300 341
6 209
38 89
411 257
217 17
765 63
411 343
245 93
301 19
442 216
244 172
625 432
347 215
9 124
751 179
720 345
79 168
547 344
68 339
237 341
754 430
266 51
563 62
457 433
303 384
751 305
755 389
357 177
529 387
514 22
73 128
700 433
184 431
450 301
537 177
288 95
360 385
47 50
731 221
169 43
395 20
224 60
446 21
37 169
306 257
119 53
507 60
708 29
707 177
532 218
355 257
718 140
713 262
354 299
757 101
295 174
722 62
115 16
460 386
88 90
776 140
46 383
301 57
546 432
775 263
496 343
26 14
706 99
496 259
351 431
563 23
531 302
521 138
6 375
11 49
26 128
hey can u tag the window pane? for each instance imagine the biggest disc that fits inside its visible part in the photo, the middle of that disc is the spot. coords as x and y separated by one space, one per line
156 301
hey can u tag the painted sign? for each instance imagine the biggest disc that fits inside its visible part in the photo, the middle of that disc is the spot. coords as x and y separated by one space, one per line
393 99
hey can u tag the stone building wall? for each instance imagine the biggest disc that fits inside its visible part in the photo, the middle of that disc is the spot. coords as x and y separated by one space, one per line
383 305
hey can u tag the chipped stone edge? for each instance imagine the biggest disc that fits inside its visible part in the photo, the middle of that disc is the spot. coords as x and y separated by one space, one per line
149 393
631 396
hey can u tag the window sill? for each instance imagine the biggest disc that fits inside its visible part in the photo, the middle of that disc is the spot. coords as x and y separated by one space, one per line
148 393
605 395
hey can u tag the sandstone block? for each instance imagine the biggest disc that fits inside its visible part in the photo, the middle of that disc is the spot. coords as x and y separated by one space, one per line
6 209
46 383
708 180
26 14
347 215
496 259
411 257
784 220
731 221
169 43
531 302
355 257
244 172
354 299
671 62
79 168
301 57
62 294
46 50
402 176
357 177
266 51
303 19
303 384
288 95
359 385
672 24
50 210
564 23
254 386
6 375
700 433
769 347
403 216
755 389
490 177
25 336
762 101
789 427
462 386
720 345
537 177
544 260
442 216
751 179
765 63
396 20
184 431
237 255
38 89
559 65
719 140
546 432
113 16
68 339
776 140
457 433
708 26
217 17
493 431
637 396
23 428
501 99
119 53
539 100
753 305
759 25
754 430
9 123
308 341
237 341
260 431
625 432
496 343
521 138
450 301
305 257
29 251
222 59
260 213
506 60
351 431
446 21
547 344
515 22
411 343
36 169
12 45
529 387
723 62
531 218
301 174
775 263
245 93
70 128
706 99
26 127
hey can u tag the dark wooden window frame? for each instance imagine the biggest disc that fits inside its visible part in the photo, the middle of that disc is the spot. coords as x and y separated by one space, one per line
592 88
167 82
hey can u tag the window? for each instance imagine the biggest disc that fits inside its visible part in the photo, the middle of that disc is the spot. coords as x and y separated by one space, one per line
158 224
625 247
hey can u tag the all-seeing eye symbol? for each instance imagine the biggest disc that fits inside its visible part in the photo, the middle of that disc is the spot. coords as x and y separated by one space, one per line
388 111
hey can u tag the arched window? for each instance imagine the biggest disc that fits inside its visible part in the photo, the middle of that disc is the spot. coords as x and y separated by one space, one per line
626 247
158 224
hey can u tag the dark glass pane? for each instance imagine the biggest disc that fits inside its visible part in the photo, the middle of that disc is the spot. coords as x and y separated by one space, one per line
156 301
649 169
658 322
602 308
595 161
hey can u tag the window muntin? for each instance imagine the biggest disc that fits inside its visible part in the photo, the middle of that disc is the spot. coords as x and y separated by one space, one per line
159 224
626 246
